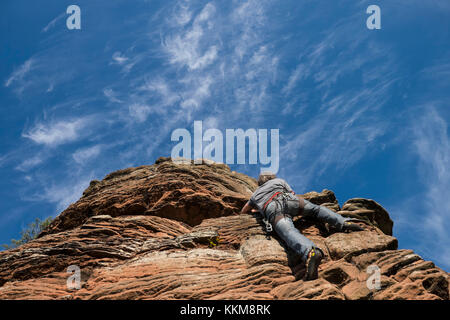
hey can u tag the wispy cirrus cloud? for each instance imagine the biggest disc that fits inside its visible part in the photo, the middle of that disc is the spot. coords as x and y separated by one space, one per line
119 58
294 77
62 194
139 112
19 74
201 90
126 63
52 23
30 163
424 215
111 95
186 47
432 144
160 89
40 73
182 14
83 155
347 122
55 133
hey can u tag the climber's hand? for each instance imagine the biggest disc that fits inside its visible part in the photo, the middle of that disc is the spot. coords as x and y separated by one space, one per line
247 208
254 210
348 226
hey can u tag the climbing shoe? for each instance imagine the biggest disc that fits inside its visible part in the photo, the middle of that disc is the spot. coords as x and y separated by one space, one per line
312 264
348 226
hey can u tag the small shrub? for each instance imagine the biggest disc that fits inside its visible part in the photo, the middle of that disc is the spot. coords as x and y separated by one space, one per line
30 233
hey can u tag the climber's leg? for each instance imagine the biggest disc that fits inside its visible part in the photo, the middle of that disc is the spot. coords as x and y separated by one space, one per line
323 214
285 228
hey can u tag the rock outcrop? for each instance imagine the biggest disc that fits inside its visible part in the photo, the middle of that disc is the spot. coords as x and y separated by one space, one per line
171 231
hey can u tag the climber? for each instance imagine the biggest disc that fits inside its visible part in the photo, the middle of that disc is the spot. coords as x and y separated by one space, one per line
278 204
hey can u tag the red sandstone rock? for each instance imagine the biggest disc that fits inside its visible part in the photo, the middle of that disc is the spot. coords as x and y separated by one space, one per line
171 231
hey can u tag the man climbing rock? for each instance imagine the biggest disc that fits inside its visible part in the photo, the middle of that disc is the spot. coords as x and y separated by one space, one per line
278 204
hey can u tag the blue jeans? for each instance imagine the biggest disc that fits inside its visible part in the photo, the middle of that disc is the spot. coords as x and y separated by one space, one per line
289 233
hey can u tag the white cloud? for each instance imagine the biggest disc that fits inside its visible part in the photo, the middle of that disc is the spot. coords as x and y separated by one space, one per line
426 214
432 144
346 126
65 194
293 78
57 133
119 58
52 23
81 156
42 73
440 72
193 99
207 11
183 15
185 48
246 74
186 51
126 62
29 163
161 87
259 73
20 72
50 87
249 18
211 123
111 95
139 112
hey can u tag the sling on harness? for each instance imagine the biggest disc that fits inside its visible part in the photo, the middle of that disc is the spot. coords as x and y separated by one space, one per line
268 228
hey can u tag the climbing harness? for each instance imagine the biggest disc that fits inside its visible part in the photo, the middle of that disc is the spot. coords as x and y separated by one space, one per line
268 226
271 198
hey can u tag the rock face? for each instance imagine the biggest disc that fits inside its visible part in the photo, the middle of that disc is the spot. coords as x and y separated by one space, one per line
171 231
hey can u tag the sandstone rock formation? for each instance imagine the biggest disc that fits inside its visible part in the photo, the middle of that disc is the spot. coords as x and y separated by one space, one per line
171 231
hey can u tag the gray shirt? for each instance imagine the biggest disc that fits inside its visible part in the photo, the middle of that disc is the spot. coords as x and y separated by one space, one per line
266 191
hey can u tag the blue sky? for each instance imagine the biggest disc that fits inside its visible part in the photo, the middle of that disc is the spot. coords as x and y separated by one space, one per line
362 112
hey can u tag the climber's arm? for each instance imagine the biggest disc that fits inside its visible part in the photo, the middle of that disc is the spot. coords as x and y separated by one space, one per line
247 208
